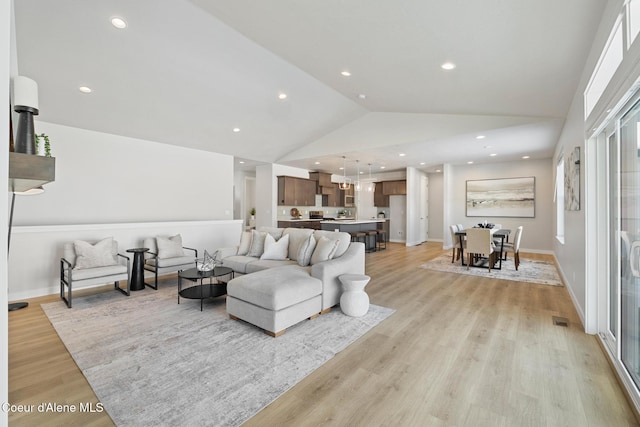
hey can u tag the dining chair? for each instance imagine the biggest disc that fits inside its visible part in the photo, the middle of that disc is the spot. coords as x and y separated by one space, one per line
455 241
480 243
497 241
514 247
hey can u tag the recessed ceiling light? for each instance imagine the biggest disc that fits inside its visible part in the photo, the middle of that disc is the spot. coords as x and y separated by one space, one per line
236 130
118 22
402 154
362 96
422 163
341 168
346 73
480 137
525 157
438 170
470 162
282 96
493 154
241 162
383 167
85 89
448 66
316 163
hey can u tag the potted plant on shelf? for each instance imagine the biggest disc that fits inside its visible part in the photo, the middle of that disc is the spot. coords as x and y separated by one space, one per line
47 145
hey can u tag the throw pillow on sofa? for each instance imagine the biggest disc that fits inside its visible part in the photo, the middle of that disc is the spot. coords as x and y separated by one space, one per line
275 250
306 251
170 247
324 251
98 255
257 243
245 243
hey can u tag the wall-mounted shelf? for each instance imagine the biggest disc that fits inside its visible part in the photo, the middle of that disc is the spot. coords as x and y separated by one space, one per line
28 171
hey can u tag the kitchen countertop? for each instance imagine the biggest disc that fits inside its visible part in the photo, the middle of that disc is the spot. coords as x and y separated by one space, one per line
355 221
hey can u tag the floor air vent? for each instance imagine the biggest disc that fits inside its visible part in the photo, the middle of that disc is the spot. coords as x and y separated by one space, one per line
561 321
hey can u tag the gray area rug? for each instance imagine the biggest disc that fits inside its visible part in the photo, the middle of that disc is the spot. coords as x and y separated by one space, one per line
153 362
530 271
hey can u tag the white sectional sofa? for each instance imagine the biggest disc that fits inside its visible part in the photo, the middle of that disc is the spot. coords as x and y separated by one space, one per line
292 276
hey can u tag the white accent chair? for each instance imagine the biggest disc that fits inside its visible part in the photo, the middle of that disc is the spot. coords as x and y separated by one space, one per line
514 247
156 264
480 243
71 278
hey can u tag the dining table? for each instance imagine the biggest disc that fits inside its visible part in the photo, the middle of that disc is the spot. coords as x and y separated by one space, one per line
501 233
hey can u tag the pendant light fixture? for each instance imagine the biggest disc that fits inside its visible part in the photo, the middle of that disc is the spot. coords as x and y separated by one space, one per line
344 185
371 186
357 185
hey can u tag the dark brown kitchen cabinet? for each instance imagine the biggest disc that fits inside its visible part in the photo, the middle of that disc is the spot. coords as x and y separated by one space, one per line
293 191
379 198
323 179
392 188
331 196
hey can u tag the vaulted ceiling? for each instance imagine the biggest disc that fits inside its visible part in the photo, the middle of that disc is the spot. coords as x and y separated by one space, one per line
189 72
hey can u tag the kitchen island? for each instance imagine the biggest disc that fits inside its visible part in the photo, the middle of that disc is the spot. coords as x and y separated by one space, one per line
352 225
359 225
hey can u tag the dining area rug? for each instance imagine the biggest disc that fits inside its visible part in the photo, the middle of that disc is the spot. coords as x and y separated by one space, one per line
530 271
152 361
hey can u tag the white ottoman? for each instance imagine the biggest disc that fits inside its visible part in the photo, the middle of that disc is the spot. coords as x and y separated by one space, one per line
354 300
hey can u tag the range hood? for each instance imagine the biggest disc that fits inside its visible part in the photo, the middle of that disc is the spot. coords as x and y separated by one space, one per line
27 171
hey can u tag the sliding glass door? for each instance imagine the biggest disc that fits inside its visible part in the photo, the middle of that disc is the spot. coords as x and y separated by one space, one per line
628 242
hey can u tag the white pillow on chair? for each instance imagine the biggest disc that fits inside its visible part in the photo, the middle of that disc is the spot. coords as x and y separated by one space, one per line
97 255
170 247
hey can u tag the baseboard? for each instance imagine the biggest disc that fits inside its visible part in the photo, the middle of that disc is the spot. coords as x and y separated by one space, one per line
623 381
574 299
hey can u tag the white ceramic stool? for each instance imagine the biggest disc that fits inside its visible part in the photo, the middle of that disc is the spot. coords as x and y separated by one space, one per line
354 300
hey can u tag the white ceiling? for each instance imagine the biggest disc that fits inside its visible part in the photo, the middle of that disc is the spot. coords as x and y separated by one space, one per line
188 72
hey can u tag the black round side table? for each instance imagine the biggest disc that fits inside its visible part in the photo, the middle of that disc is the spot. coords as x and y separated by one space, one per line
137 271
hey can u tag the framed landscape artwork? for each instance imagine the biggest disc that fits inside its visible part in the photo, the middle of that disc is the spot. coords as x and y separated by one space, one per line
504 197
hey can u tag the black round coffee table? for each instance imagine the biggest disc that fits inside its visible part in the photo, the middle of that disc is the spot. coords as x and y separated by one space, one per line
202 291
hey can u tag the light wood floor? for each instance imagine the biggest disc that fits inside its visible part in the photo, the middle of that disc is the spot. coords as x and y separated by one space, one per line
460 350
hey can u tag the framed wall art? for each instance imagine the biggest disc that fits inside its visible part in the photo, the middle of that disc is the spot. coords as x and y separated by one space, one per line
503 197
572 181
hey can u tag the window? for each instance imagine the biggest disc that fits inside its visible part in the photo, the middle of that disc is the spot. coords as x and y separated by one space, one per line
607 65
633 21
559 196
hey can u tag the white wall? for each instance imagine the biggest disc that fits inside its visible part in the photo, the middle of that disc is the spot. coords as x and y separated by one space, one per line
103 178
109 185
571 255
266 196
537 233
414 203
436 211
34 261
397 218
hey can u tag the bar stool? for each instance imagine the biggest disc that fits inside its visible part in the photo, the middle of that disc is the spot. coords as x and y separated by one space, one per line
372 237
357 235
381 241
